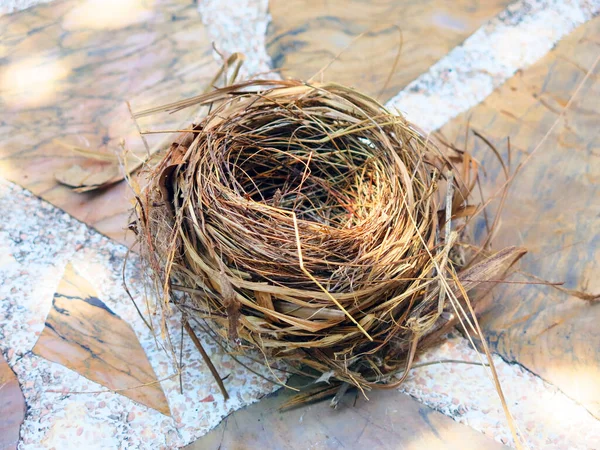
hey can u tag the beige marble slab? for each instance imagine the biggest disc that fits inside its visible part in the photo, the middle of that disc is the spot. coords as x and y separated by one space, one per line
389 420
66 71
85 335
304 38
553 209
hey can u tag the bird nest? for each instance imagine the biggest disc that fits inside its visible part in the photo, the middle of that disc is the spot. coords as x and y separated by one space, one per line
310 224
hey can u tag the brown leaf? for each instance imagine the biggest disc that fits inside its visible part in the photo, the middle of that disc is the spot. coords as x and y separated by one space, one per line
172 161
491 267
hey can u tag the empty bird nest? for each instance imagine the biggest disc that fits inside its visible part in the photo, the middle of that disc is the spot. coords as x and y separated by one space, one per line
308 224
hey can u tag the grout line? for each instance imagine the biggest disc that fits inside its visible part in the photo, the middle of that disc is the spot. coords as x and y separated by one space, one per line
239 26
12 6
516 38
520 35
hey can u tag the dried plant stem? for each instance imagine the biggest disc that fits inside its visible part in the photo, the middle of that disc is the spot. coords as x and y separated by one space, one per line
206 359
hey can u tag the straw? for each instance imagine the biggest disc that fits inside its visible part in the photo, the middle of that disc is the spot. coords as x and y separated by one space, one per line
308 224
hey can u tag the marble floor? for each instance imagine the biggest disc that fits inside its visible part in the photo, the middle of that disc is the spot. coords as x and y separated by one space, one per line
79 368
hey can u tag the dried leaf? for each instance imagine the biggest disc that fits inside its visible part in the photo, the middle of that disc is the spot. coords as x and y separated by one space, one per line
89 177
232 306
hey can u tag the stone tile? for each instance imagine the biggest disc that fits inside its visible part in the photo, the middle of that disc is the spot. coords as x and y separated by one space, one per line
12 407
553 209
83 334
388 420
302 41
66 71
65 409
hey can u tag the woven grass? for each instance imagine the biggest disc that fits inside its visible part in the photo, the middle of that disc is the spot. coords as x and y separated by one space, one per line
310 224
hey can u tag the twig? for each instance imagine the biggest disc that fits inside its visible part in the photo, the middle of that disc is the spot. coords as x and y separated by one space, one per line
206 358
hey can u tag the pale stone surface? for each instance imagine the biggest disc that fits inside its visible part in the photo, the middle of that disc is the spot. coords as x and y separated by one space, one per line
37 240
11 6
546 418
518 37
65 410
239 26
